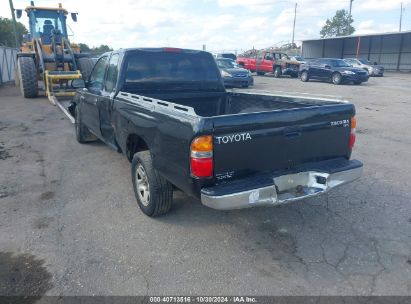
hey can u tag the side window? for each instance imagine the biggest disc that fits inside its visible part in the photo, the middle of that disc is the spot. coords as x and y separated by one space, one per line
268 56
260 55
326 62
97 75
277 56
112 73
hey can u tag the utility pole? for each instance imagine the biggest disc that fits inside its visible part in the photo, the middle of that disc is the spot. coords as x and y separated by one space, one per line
16 40
402 9
295 17
349 15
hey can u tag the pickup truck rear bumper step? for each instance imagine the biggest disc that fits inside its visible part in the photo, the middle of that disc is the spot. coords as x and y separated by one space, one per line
282 187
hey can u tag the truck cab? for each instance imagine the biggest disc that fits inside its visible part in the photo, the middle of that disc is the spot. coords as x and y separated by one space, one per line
269 61
277 63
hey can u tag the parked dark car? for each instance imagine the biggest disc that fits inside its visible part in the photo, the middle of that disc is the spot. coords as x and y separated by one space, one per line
234 75
336 71
167 110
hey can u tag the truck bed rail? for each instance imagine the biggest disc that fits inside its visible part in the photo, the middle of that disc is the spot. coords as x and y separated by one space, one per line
156 103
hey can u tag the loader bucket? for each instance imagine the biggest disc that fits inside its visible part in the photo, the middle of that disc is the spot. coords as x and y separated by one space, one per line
57 86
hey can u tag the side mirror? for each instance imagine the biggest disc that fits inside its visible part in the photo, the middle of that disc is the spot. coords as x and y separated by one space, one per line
78 84
19 12
74 16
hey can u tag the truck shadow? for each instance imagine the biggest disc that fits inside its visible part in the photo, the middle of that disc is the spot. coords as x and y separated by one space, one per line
321 230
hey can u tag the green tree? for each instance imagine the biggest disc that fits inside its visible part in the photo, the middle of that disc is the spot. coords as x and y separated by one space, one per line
7 32
339 25
102 49
84 48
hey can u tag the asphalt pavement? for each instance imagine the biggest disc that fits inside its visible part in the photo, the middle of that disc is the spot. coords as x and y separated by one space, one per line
70 225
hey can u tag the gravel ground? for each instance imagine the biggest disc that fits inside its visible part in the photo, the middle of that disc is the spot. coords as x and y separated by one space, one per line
69 223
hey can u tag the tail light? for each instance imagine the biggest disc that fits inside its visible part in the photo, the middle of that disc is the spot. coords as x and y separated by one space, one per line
172 50
352 134
201 156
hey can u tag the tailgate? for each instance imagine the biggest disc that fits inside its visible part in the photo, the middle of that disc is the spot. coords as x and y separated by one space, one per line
246 144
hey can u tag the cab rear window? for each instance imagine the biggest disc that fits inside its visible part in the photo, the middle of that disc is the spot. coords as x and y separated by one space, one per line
147 66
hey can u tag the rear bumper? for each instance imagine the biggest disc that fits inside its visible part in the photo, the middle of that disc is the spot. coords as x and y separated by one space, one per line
282 187
377 73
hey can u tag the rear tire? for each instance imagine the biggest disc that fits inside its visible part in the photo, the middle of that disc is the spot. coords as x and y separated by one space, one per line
357 82
336 78
304 76
154 194
85 65
27 73
260 73
83 135
277 72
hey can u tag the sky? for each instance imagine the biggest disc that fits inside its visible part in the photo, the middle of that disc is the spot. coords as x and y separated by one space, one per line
221 25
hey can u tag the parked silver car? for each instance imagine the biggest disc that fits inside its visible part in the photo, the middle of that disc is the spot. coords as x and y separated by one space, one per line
373 69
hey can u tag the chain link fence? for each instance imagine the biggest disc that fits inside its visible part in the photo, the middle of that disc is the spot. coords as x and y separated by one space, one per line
8 57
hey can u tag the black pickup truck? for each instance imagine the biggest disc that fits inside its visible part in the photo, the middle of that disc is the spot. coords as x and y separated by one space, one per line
167 110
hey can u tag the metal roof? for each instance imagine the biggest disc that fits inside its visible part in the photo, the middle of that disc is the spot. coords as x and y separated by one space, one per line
355 36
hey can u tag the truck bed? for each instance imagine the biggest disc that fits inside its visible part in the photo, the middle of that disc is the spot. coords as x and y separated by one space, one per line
265 132
217 104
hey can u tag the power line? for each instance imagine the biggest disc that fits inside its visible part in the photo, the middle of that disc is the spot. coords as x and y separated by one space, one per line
401 10
16 40
349 18
295 17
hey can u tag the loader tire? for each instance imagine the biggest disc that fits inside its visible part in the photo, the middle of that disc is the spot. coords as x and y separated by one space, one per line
27 74
85 66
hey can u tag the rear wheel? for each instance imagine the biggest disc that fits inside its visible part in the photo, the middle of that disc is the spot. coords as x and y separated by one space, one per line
85 66
260 73
357 82
277 72
336 78
27 73
153 192
304 76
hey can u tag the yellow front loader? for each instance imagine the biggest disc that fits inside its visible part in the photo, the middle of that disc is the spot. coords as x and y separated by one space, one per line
47 61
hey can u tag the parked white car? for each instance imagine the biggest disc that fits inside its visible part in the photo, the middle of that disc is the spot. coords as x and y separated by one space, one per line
373 69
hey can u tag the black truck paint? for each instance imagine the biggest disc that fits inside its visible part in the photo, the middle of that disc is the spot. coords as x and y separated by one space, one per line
137 100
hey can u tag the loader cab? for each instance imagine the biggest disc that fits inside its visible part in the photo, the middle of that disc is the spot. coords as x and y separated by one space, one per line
46 22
